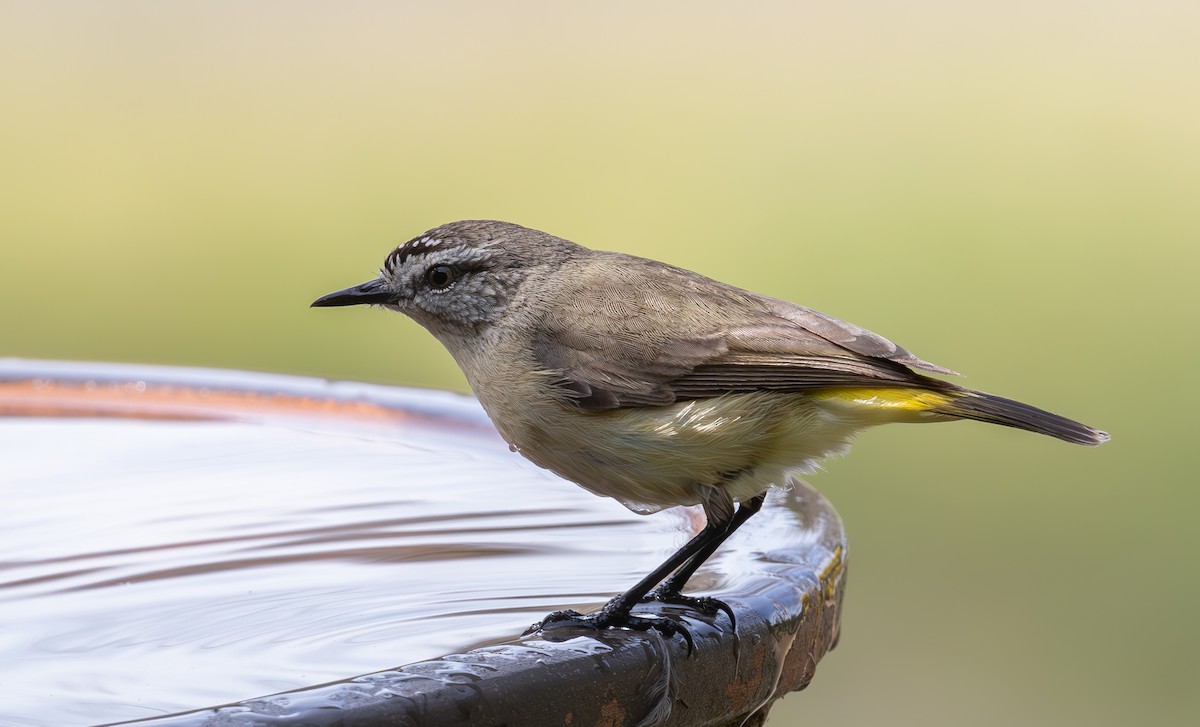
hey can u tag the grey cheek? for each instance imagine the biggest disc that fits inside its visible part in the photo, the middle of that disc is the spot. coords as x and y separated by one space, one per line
463 310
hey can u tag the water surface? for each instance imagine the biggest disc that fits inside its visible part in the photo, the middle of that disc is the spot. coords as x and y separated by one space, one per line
186 547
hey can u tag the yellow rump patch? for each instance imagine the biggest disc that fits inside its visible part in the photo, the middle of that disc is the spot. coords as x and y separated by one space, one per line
915 400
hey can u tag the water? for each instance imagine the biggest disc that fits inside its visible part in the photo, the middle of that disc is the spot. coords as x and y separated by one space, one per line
178 539
174 547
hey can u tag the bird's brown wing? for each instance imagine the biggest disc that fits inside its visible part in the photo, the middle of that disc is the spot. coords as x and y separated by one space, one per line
672 336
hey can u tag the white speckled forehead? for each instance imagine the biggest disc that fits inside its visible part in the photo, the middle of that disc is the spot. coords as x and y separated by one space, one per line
457 249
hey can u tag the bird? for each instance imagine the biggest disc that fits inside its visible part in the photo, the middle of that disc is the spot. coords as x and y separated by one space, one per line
658 386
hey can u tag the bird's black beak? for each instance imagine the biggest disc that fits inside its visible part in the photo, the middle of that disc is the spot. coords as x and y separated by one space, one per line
369 292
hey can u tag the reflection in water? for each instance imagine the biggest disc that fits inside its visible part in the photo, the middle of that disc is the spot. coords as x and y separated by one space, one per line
153 566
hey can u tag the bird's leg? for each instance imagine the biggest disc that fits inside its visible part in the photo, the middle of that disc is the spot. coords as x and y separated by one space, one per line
617 611
670 591
670 577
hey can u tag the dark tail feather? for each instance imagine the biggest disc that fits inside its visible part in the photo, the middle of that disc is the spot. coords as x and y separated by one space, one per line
998 410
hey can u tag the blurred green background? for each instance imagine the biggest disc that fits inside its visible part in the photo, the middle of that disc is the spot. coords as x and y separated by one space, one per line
1008 189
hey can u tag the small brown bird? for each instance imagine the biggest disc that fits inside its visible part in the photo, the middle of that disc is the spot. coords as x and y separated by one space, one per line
658 386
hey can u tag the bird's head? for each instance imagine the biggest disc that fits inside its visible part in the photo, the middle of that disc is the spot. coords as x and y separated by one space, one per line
461 278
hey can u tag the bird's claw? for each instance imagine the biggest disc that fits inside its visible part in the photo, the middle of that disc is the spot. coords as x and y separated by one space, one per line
603 619
706 605
559 619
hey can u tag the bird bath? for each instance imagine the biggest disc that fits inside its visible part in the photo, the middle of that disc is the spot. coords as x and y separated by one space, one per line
181 538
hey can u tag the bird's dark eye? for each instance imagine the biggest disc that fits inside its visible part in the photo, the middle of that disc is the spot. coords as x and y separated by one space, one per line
441 277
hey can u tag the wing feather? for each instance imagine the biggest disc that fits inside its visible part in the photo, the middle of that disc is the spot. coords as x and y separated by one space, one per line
721 340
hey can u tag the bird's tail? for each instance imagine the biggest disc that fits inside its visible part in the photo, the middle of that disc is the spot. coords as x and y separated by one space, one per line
968 404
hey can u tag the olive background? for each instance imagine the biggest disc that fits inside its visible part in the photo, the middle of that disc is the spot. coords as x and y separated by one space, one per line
1006 188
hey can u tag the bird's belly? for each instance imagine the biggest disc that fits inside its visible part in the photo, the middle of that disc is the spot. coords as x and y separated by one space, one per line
654 457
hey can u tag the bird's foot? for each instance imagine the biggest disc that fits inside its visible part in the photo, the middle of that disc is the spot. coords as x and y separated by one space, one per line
607 618
706 605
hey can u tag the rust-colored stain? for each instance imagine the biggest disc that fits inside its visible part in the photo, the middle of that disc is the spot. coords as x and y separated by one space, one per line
741 689
140 400
612 714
